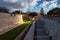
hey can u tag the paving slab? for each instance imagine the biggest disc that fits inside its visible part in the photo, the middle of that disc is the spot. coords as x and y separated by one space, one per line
43 38
30 34
41 32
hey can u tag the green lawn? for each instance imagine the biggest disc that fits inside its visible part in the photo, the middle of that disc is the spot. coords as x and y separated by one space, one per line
12 34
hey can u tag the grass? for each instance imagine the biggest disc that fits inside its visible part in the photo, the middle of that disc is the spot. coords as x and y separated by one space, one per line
26 21
12 34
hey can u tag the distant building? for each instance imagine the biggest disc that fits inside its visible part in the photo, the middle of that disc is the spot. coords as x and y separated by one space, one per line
42 11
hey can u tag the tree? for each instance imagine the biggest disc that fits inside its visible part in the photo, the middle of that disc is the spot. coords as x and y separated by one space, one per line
32 14
55 11
3 9
17 12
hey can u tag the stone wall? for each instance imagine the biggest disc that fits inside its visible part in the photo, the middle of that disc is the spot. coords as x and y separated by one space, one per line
8 22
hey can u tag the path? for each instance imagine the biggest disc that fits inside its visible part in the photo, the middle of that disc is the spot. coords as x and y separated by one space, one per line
30 34
41 32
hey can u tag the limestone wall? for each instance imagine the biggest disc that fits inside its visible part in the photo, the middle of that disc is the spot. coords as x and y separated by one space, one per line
8 22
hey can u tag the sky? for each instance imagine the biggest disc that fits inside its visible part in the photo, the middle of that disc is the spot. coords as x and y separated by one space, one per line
30 5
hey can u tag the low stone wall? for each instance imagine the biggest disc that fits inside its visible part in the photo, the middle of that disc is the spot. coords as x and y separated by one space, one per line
8 22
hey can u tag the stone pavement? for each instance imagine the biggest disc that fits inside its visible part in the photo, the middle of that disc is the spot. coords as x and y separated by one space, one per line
30 34
41 32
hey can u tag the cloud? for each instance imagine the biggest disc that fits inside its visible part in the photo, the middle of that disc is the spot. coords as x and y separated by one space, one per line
11 0
34 2
30 4
53 5
26 5
48 5
19 4
10 5
59 6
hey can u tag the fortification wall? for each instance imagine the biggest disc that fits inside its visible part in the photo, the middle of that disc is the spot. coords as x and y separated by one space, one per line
8 22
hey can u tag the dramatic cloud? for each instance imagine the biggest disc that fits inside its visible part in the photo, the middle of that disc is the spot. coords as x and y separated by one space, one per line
11 0
32 5
19 4
49 5
10 5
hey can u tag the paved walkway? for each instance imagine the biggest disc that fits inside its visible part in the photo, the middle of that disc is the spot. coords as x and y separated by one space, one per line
41 32
30 34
